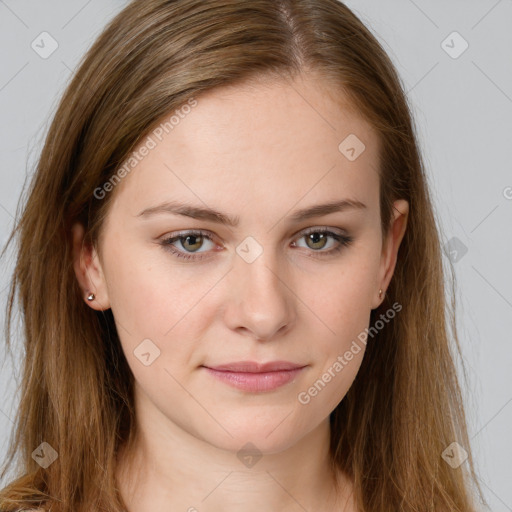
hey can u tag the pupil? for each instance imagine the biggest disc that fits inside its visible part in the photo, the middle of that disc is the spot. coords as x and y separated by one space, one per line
193 237
316 237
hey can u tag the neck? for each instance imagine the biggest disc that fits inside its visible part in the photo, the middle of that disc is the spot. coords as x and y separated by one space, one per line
167 468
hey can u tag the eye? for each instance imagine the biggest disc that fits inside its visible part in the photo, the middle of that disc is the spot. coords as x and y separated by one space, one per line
316 239
189 240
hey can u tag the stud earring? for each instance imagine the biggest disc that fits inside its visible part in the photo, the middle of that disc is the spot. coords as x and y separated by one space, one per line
91 296
380 294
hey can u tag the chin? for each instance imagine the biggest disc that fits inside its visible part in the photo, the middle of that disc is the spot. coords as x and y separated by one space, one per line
263 436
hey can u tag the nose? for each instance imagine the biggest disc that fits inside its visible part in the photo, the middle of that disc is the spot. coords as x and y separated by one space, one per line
260 301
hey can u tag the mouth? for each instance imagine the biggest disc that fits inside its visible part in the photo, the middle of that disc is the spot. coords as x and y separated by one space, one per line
255 377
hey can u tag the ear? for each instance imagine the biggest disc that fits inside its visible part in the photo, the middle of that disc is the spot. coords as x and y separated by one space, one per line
391 246
88 270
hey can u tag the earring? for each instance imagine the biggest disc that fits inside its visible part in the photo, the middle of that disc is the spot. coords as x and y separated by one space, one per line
91 296
380 294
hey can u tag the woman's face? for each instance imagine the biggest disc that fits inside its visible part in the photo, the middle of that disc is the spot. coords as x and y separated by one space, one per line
270 286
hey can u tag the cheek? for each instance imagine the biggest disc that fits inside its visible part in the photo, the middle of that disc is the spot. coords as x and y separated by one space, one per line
340 298
338 358
162 309
339 314
148 294
330 384
150 306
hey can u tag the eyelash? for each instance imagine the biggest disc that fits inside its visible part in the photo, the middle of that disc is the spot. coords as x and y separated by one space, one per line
343 241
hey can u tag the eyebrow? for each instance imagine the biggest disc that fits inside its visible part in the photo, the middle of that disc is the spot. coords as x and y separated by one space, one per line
209 214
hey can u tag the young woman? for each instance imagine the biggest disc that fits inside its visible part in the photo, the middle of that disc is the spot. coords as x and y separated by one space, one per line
231 279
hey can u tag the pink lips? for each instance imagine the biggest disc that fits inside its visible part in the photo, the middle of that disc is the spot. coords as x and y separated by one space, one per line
256 377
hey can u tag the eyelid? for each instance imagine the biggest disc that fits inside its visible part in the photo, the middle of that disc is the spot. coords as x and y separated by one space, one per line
342 238
212 236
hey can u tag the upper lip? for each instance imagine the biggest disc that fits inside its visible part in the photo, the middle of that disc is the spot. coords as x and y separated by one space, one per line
254 367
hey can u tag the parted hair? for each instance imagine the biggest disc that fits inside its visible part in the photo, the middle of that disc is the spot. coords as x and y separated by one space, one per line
76 388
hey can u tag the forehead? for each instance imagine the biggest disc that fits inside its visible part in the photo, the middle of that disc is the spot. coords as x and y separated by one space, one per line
259 144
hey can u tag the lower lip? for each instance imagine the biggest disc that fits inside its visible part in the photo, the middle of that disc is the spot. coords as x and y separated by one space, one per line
255 382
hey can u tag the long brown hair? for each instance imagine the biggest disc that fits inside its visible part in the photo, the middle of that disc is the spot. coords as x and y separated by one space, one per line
405 405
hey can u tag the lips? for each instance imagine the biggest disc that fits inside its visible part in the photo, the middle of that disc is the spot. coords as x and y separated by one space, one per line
254 367
253 377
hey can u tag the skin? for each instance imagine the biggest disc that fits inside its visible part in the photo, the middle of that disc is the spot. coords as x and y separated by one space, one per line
259 152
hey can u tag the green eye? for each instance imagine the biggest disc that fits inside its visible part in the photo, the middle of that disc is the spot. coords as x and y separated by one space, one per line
316 240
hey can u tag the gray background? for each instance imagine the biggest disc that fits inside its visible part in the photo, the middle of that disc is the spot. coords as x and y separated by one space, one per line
463 110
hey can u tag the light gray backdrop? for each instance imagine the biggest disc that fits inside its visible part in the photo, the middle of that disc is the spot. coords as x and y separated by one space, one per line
455 59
